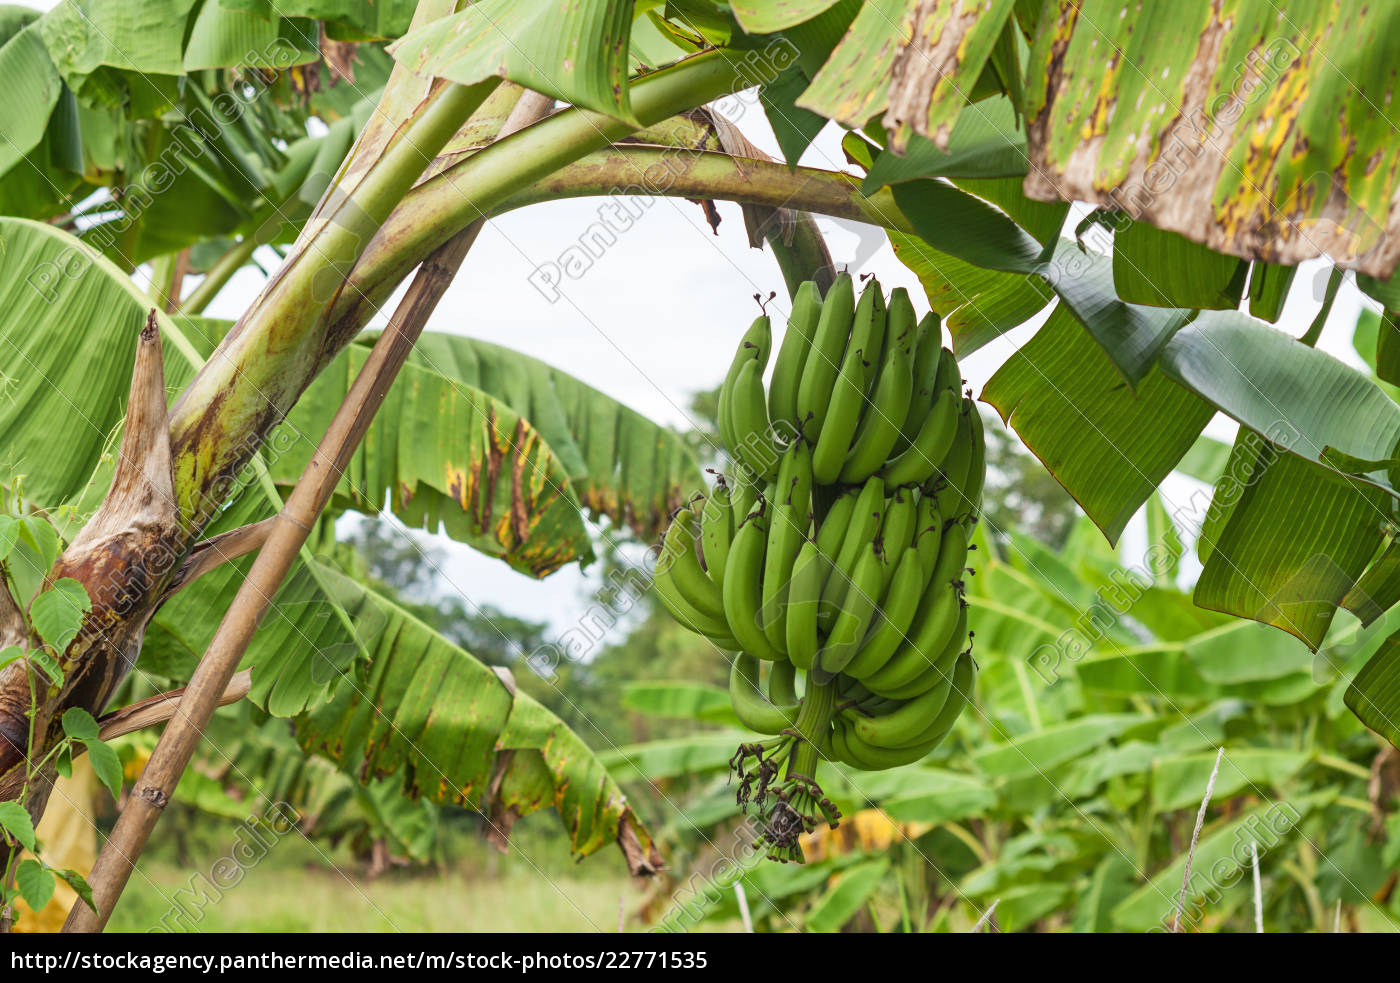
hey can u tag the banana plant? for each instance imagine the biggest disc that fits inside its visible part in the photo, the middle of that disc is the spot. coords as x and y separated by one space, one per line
146 106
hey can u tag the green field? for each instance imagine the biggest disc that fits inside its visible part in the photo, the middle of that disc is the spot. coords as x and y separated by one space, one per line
314 899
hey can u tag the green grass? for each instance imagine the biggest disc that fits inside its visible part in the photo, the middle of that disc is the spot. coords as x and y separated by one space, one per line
301 886
273 898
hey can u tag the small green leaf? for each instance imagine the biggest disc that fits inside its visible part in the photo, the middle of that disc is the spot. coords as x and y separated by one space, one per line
80 725
35 884
41 536
15 821
106 764
9 654
78 883
63 763
57 614
41 660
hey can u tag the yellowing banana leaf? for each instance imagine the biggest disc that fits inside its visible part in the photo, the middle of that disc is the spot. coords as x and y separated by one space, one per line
1254 133
445 452
619 463
854 83
934 74
425 709
450 727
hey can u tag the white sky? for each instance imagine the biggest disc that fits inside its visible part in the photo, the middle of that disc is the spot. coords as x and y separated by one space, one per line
656 318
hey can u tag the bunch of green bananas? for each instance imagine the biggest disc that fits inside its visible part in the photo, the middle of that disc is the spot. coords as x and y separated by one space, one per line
835 550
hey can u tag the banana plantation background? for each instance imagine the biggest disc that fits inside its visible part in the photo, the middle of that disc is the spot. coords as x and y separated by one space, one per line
1186 560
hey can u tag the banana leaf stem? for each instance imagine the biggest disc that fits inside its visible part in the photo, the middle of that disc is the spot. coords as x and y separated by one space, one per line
648 170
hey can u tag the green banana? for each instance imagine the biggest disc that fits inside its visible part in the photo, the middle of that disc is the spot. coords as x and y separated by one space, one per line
791 514
832 529
782 684
689 616
753 446
934 622
898 529
869 328
950 477
928 536
959 678
871 757
743 583
824 360
859 531
927 360
804 597
847 402
977 465
889 400
792 355
754 710
906 723
901 603
679 563
716 531
754 346
853 620
930 446
745 495
913 671
839 751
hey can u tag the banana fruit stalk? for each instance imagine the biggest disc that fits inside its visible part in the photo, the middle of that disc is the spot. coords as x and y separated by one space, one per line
831 559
